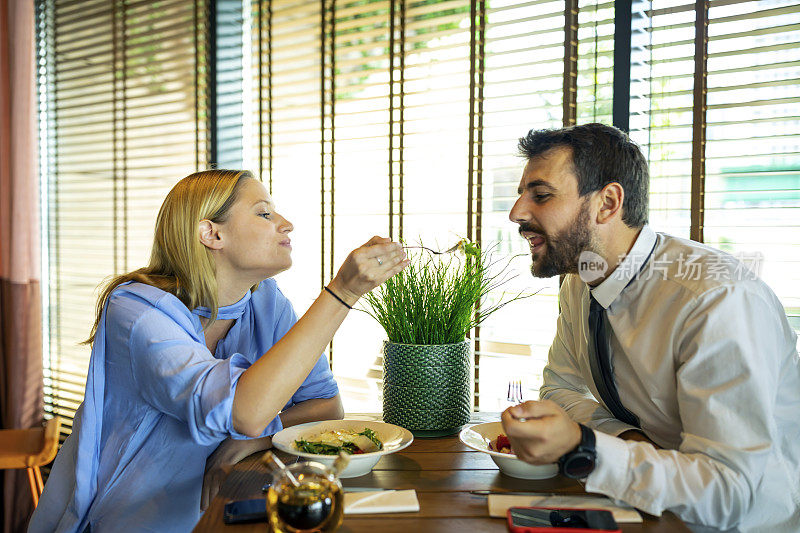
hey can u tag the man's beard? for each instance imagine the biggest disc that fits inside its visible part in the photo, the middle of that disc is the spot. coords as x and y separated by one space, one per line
563 250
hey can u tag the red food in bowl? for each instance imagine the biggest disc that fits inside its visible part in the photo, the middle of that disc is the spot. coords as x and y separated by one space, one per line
501 444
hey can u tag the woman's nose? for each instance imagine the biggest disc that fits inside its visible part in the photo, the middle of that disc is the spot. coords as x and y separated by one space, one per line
285 226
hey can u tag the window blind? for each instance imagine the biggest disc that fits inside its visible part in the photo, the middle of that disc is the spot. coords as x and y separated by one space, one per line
752 152
432 120
123 112
595 61
367 104
386 98
347 104
745 197
286 80
227 36
662 78
401 117
523 79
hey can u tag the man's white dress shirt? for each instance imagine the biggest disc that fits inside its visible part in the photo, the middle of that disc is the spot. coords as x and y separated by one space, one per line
704 356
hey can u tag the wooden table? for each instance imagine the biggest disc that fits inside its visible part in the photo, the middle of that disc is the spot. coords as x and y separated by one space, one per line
442 470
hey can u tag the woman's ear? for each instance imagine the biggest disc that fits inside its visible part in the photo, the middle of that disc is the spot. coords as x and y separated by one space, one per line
611 197
209 235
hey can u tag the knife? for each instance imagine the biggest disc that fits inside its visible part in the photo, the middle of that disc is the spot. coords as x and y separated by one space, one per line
512 493
265 488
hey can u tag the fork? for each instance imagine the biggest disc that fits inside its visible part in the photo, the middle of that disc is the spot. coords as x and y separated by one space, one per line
514 395
448 251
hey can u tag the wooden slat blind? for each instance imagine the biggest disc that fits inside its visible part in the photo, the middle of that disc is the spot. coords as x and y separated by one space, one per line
662 74
595 61
752 153
401 117
726 74
366 117
366 86
287 81
523 88
123 118
402 94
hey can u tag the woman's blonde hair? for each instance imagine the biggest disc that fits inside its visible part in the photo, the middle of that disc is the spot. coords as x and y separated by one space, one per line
179 263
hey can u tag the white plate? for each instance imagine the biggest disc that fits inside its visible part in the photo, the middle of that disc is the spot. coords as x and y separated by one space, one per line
393 437
478 437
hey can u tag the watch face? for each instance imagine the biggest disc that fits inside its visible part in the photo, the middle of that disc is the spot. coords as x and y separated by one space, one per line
579 465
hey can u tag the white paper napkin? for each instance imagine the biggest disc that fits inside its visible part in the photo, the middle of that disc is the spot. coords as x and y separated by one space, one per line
500 503
382 501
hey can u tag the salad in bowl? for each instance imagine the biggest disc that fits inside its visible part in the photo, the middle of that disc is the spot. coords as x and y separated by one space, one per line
365 442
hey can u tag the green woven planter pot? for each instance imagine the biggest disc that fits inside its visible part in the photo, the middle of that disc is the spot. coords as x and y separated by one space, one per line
427 354
420 421
427 389
425 398
416 376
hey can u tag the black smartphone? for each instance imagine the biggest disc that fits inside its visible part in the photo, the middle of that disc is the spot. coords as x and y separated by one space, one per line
542 519
245 511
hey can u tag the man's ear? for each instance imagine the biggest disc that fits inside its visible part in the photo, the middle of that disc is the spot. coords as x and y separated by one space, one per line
610 199
209 235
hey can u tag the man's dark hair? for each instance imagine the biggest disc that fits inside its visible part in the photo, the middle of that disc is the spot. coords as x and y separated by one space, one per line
600 155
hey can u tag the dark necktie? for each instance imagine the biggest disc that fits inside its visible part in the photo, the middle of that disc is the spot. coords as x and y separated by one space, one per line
602 367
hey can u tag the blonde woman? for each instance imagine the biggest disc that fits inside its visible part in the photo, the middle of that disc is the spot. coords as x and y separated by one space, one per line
196 349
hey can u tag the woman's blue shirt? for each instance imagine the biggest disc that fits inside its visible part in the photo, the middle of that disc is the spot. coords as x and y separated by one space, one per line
157 403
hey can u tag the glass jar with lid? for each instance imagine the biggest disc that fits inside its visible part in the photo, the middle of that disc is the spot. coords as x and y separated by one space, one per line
312 502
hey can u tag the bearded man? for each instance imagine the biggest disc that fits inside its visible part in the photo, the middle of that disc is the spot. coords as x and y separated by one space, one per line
673 382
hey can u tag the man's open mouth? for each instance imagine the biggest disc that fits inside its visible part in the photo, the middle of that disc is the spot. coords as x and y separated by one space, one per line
535 240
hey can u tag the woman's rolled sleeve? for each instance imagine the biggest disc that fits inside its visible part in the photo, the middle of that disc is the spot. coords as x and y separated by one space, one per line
177 375
222 411
319 383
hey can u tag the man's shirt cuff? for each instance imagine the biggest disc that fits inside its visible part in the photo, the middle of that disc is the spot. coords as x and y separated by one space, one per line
611 472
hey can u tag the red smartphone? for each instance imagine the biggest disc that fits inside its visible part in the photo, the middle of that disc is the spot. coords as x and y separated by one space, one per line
564 520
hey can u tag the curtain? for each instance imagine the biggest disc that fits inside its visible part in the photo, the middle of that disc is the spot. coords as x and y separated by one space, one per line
21 380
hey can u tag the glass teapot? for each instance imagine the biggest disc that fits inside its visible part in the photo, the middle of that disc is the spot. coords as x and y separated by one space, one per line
304 498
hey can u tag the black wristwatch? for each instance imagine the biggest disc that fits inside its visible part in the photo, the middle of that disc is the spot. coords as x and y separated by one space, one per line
580 462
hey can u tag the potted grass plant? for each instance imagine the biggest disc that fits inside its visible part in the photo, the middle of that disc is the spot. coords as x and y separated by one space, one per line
427 312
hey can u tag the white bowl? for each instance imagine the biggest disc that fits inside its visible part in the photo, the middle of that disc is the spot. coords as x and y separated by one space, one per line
393 437
478 437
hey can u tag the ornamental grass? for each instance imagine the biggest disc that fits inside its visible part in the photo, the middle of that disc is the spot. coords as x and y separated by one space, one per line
439 297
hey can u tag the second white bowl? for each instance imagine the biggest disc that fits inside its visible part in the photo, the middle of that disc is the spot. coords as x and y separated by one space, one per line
478 437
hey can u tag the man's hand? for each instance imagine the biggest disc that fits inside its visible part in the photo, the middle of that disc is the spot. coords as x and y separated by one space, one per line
221 461
545 435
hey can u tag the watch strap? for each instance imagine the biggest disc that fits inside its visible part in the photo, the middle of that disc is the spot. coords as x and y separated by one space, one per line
588 440
586 449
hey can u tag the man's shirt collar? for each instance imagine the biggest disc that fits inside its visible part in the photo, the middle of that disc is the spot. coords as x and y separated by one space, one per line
627 270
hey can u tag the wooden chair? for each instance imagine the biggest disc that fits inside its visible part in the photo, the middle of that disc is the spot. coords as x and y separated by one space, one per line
30 449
